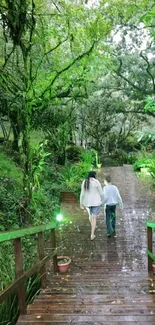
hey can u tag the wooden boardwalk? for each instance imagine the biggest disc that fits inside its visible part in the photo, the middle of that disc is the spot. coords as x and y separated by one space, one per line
108 282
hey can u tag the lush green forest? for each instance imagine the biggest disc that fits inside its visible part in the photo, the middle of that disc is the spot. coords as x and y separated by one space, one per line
77 89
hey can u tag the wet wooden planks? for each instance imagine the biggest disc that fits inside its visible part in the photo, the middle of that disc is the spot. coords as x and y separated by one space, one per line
107 283
103 322
59 318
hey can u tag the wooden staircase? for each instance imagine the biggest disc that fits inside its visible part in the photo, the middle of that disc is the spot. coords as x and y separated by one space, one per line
99 296
108 282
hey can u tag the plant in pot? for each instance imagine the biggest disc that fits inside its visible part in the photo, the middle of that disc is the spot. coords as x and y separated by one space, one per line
63 263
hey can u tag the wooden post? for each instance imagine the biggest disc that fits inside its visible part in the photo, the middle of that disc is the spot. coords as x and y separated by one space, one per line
53 243
149 246
41 256
19 272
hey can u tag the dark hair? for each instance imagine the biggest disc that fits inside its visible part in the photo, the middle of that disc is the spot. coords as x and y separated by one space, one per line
108 178
87 180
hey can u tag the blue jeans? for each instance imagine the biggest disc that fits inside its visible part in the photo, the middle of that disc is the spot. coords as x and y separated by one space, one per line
110 218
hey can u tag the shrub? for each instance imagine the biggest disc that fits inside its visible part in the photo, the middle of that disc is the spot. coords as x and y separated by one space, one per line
146 162
9 170
72 175
142 163
130 144
132 157
120 157
73 153
89 157
45 203
9 308
9 210
147 140
10 193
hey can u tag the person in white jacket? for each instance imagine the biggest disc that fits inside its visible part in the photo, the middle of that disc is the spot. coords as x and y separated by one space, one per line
111 199
91 198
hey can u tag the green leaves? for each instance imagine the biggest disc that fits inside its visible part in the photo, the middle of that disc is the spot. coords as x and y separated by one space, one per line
150 106
148 17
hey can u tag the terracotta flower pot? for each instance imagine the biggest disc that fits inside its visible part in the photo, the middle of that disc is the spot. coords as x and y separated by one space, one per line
63 263
153 268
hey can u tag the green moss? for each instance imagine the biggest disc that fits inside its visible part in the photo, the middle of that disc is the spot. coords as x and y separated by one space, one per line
8 169
36 137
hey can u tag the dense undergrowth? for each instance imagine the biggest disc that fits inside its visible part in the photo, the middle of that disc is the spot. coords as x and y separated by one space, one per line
45 204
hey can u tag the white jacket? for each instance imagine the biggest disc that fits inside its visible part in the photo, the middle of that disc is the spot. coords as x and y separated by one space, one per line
93 196
111 195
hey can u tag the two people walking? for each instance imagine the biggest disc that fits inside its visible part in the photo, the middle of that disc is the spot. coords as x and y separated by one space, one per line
92 197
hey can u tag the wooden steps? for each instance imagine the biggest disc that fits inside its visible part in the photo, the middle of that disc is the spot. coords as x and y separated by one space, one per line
108 282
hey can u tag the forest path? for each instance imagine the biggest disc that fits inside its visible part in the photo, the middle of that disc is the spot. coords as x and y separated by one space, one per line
108 282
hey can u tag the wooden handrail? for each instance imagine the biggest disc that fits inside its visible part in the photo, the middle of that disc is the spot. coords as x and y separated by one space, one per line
13 234
14 286
151 256
150 224
19 283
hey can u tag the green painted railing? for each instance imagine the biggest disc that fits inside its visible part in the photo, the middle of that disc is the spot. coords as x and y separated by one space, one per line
151 256
13 234
19 283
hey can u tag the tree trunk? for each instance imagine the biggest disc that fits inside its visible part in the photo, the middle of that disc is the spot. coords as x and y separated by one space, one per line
16 134
14 119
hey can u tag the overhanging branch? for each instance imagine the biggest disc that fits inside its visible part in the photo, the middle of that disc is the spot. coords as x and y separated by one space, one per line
45 54
118 72
68 67
148 69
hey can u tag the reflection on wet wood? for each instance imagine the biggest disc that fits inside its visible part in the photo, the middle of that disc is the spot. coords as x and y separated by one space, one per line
108 282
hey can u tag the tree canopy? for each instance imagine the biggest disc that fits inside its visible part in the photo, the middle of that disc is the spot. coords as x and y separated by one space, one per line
79 71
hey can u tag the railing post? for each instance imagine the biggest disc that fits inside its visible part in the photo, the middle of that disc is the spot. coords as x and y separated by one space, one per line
41 256
19 272
149 246
53 243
